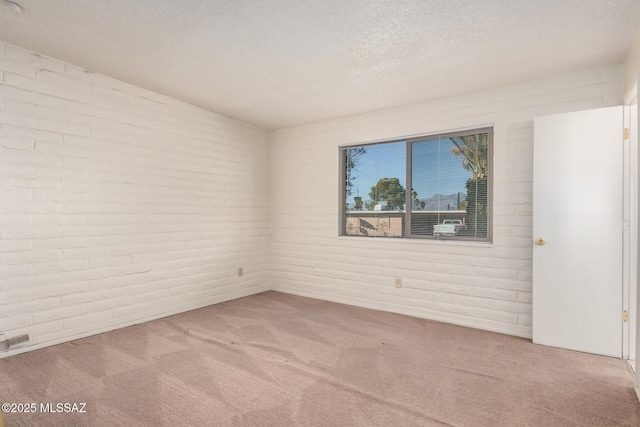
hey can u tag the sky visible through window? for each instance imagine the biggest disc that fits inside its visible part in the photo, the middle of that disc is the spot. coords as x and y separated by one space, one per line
432 162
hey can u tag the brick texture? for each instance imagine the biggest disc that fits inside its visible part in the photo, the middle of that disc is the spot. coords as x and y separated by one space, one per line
485 286
119 205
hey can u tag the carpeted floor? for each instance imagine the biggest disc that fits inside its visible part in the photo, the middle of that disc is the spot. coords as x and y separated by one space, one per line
280 360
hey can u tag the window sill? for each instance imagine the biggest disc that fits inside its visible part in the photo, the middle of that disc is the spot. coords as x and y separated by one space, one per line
404 240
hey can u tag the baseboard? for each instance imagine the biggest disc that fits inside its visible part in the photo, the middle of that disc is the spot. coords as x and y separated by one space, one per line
486 325
118 324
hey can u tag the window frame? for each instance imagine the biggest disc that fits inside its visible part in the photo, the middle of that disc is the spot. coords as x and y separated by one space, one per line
409 141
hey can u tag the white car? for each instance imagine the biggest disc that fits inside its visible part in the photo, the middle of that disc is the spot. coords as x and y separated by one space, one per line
449 227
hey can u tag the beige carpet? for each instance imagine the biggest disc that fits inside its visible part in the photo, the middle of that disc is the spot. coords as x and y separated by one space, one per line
280 360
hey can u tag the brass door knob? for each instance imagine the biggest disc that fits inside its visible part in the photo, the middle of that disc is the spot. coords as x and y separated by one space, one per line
540 241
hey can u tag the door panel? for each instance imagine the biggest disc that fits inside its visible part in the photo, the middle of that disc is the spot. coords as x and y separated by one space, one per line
577 209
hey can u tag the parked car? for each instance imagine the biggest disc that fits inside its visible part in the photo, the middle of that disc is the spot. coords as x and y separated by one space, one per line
449 227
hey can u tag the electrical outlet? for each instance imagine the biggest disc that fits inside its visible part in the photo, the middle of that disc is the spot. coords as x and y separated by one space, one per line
398 282
239 271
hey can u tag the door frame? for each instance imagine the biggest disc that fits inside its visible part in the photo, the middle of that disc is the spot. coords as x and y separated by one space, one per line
630 225
634 306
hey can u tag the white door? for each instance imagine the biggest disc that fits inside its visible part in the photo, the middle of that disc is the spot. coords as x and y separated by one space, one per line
577 210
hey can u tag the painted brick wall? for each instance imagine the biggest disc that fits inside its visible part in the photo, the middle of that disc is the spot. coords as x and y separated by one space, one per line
119 205
478 285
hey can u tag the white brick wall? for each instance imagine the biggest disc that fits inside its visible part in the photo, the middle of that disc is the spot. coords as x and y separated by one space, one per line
479 285
119 205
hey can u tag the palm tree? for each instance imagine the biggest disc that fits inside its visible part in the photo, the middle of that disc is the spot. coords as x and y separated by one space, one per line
474 150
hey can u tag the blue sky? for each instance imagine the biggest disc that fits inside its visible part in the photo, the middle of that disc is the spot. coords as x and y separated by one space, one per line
435 169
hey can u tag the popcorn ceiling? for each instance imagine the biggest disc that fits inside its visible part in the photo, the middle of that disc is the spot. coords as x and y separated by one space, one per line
281 63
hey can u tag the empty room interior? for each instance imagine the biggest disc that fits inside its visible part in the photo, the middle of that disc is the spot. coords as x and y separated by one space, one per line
362 213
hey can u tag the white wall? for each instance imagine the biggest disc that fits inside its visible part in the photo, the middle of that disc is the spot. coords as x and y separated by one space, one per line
479 285
631 66
118 205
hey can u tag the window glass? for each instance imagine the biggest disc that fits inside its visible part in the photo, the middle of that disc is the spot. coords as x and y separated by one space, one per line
375 190
449 186
443 192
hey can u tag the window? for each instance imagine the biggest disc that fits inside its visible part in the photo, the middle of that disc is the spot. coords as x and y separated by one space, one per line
431 187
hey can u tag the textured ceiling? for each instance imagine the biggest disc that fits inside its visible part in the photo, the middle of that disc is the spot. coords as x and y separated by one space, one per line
280 63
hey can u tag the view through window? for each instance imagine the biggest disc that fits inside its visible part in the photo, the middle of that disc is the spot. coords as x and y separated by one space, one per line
436 186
